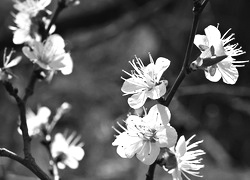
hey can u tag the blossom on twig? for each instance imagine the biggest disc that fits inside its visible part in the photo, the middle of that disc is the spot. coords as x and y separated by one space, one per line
37 122
67 151
30 20
186 159
144 81
144 136
212 45
50 55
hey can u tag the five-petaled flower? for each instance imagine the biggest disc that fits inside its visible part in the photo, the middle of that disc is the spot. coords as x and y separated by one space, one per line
144 136
37 122
67 151
145 81
186 158
50 55
212 45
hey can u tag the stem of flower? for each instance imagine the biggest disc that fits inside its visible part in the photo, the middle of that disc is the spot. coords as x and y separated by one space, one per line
47 143
197 10
151 170
60 6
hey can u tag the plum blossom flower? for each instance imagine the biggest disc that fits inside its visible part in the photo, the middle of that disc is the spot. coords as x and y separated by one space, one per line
30 19
50 55
36 122
5 73
144 82
213 46
144 136
67 151
186 158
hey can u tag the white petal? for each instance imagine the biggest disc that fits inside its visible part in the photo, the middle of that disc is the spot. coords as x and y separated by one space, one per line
14 62
157 116
149 153
54 45
137 100
176 174
44 112
161 65
71 163
132 86
127 145
167 137
20 36
76 152
213 35
228 71
201 42
214 39
68 65
216 77
157 91
28 53
181 146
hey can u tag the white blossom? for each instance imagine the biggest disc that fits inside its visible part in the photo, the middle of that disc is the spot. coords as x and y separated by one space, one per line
67 151
50 55
187 159
144 82
144 136
212 45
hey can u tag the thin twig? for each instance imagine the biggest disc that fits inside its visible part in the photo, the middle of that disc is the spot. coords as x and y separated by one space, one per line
151 170
197 10
60 6
22 110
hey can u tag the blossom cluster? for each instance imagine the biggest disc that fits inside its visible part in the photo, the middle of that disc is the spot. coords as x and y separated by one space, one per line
34 29
149 135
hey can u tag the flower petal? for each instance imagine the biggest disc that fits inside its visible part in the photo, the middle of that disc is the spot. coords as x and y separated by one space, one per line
71 163
228 71
132 85
215 77
76 152
167 137
157 91
148 153
181 146
161 65
201 42
68 64
214 39
157 116
137 100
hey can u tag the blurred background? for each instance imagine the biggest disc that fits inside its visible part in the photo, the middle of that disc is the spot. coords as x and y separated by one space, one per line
102 36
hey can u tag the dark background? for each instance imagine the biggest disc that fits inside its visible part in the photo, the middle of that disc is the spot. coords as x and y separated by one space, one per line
102 36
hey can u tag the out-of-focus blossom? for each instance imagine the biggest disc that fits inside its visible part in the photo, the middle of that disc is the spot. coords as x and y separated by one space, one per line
31 7
50 55
67 151
187 161
5 73
144 136
213 46
30 20
144 82
37 122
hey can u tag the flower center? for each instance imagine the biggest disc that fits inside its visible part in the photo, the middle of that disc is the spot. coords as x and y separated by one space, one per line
150 135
